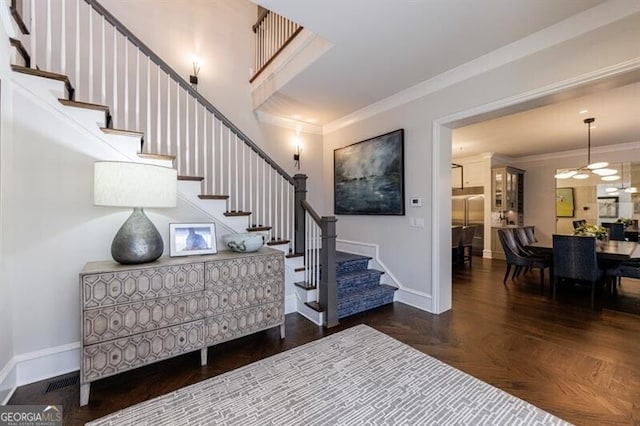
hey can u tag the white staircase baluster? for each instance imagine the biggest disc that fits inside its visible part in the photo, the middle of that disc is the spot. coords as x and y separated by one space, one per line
34 35
126 83
63 37
91 80
103 58
138 53
158 114
48 37
114 106
77 49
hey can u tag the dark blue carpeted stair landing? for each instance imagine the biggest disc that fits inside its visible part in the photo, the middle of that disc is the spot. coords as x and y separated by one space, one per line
359 288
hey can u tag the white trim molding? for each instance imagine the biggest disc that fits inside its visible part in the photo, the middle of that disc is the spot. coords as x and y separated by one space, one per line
589 20
441 152
46 363
8 381
405 295
288 123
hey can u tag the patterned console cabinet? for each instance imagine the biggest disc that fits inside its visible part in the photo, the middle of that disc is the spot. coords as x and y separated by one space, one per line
133 315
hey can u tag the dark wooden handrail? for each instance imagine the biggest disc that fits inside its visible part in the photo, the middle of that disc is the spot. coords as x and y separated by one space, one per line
186 86
262 14
307 207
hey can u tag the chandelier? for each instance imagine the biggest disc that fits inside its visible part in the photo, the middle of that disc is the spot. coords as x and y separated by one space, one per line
598 168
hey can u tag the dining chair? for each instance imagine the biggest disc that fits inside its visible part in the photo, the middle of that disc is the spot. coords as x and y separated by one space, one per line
615 231
579 223
456 239
531 234
466 247
519 259
575 259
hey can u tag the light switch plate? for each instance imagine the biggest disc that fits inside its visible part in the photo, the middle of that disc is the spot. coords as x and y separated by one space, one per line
415 202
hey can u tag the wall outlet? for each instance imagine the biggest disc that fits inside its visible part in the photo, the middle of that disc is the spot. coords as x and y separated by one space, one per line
415 202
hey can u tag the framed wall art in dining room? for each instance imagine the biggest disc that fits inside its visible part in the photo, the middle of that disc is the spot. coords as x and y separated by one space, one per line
608 207
564 202
192 238
369 176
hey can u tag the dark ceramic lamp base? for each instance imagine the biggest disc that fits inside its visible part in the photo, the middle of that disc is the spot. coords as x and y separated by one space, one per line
137 241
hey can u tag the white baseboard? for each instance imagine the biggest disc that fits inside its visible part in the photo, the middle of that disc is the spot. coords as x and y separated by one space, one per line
414 298
47 363
290 304
408 296
7 381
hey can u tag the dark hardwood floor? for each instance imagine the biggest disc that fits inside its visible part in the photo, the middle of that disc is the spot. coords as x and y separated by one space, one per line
580 364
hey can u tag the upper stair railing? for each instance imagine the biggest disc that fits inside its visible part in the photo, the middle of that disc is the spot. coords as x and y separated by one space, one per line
273 33
108 65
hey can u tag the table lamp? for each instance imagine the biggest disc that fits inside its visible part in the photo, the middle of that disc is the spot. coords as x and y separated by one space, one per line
136 185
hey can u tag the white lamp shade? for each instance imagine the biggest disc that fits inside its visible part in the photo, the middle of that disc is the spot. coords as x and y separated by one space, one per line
122 184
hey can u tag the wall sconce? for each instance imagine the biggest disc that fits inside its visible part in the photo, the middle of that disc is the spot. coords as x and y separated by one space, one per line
296 153
193 79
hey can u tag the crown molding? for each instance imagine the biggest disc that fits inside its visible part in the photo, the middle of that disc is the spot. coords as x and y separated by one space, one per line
574 26
288 123
629 146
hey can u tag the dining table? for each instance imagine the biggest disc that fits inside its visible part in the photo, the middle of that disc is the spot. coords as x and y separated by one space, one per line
619 251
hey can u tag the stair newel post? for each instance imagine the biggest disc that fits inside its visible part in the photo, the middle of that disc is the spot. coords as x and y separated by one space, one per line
298 219
328 285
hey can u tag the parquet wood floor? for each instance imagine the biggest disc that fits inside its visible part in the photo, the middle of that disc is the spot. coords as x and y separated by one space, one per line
580 364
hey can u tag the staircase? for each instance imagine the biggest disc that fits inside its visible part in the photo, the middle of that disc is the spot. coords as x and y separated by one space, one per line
359 287
221 170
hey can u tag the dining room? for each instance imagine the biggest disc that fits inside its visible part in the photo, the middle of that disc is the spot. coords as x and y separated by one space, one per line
552 139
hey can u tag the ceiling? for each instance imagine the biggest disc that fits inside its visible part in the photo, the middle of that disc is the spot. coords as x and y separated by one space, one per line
557 127
382 47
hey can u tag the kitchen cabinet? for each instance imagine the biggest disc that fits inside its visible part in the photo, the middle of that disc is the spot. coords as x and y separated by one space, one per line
507 194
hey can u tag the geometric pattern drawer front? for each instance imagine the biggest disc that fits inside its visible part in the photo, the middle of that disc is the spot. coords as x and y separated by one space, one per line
105 359
243 269
107 289
241 323
112 322
221 298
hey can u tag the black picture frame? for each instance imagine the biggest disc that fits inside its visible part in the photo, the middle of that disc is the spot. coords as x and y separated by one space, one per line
369 176
608 207
565 206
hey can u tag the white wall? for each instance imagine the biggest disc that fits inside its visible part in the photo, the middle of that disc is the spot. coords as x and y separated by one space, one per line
408 251
7 374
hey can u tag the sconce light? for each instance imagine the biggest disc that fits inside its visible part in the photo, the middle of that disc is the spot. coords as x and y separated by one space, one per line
193 78
297 151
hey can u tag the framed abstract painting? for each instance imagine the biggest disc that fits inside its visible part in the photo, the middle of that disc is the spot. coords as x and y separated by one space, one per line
369 176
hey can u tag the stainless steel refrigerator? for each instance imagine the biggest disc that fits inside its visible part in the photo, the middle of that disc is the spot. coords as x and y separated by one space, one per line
468 210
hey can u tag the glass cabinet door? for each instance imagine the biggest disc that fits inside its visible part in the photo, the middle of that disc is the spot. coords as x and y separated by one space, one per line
498 189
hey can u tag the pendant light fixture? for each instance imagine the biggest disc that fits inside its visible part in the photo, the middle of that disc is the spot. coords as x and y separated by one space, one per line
598 168
623 187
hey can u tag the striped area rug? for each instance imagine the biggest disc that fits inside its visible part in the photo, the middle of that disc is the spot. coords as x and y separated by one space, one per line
356 377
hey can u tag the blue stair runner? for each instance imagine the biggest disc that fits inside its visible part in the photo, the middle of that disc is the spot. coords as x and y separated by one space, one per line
359 288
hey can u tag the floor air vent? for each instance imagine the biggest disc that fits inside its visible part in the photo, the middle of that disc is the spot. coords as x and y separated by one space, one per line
62 383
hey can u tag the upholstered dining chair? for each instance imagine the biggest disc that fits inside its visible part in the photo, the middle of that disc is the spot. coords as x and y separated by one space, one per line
466 247
575 259
456 239
578 223
615 230
530 233
519 259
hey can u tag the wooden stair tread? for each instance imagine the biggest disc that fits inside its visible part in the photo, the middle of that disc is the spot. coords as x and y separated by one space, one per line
46 74
315 306
213 197
305 285
294 255
191 178
258 228
237 213
277 242
18 18
124 132
21 50
150 156
85 105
